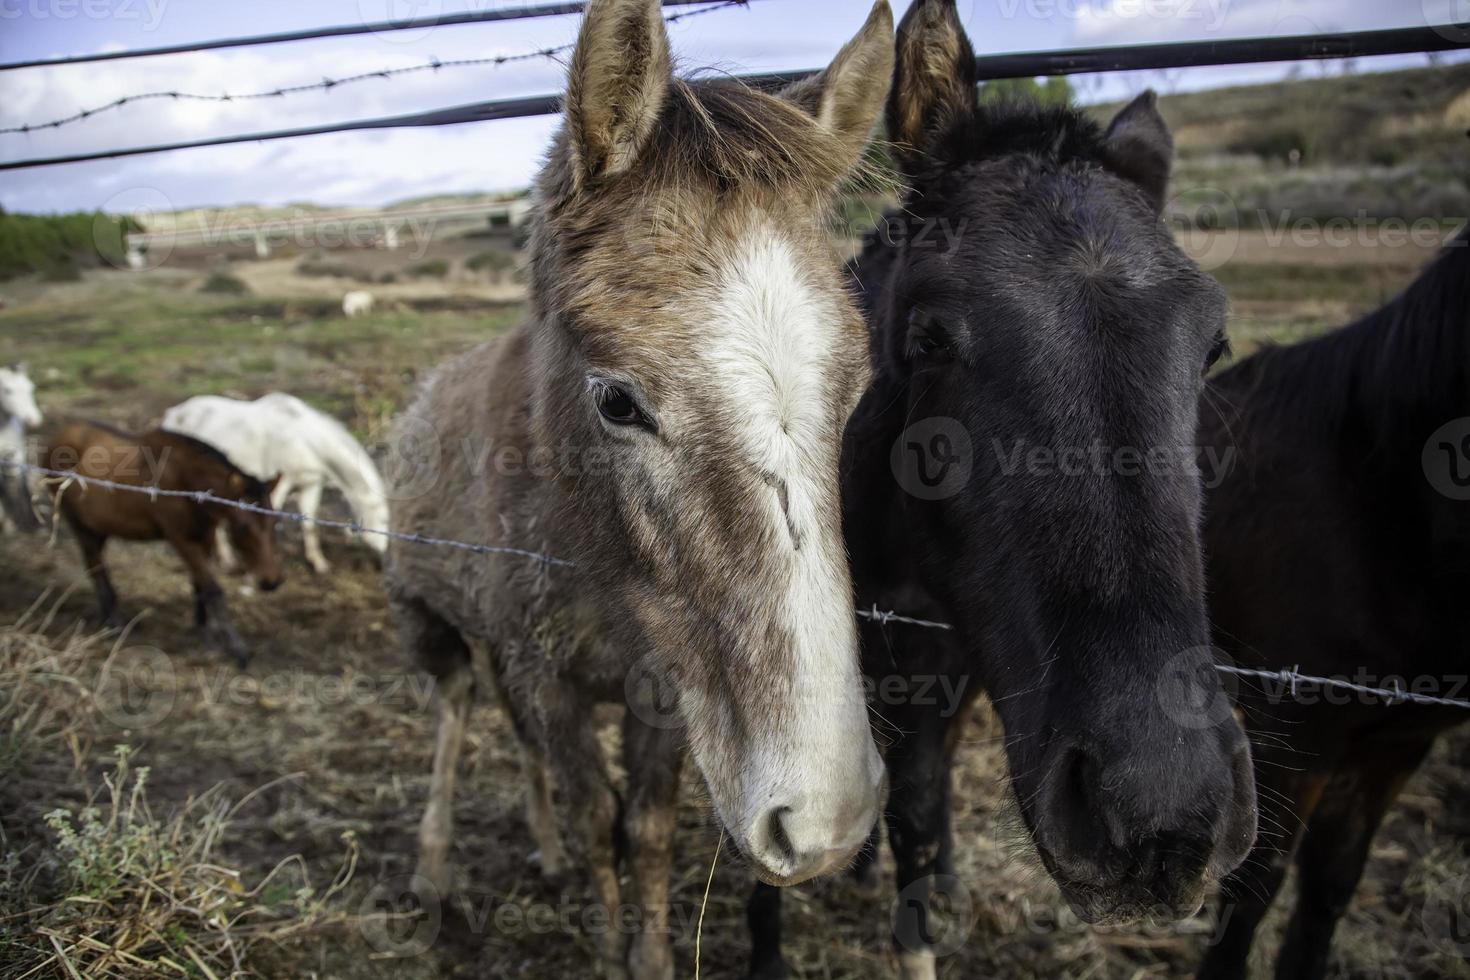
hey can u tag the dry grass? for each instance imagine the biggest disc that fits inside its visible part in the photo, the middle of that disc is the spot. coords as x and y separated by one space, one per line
107 887
260 785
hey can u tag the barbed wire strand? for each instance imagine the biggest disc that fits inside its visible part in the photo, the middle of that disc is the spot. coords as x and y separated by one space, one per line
496 15
329 84
1393 695
1291 677
205 497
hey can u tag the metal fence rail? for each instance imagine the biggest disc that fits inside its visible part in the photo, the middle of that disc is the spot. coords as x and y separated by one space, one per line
1234 51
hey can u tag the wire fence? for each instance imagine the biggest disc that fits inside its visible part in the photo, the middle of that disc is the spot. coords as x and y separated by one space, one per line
1188 54
317 33
62 477
1290 678
329 84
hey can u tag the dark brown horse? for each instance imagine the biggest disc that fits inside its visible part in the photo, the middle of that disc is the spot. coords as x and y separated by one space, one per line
1340 542
167 461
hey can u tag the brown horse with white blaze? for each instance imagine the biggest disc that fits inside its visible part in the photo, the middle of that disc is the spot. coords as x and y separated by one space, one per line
171 462
686 373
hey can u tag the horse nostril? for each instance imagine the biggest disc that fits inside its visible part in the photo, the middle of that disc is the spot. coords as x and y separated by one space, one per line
776 835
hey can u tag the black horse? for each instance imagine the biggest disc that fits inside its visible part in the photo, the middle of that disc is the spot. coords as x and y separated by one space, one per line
1340 541
1021 468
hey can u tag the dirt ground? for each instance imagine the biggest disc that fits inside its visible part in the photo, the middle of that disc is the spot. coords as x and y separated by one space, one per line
331 729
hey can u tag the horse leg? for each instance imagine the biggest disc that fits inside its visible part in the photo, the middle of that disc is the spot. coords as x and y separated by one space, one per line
540 810
441 650
563 733
309 501
92 544
210 610
763 916
652 757
229 562
1334 850
918 825
1287 800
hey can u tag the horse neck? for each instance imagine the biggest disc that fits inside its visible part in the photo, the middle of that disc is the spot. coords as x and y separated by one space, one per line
347 463
1405 365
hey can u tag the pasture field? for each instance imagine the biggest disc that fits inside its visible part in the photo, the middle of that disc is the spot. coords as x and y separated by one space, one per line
325 743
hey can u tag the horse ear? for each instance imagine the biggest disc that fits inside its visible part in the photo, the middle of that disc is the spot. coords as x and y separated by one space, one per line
934 78
620 76
847 97
1140 149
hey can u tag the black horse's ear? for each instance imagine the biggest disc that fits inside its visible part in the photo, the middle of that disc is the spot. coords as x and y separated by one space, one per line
1140 149
933 78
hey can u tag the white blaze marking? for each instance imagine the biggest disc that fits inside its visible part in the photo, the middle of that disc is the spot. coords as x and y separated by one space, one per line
772 337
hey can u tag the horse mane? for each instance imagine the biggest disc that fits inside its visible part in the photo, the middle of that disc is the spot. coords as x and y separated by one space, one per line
1049 134
1401 369
722 132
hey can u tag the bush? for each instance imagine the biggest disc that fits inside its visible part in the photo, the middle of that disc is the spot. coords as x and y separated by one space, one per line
59 244
108 885
335 270
492 260
433 269
224 284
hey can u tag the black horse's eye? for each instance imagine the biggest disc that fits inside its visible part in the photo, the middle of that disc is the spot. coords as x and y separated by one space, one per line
1218 349
618 407
928 340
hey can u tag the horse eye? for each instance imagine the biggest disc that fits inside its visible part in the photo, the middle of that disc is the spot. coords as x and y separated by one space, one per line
618 407
1218 349
928 339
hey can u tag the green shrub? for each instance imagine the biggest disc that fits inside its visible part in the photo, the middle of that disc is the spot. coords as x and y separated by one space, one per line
335 270
433 269
491 260
224 284
50 243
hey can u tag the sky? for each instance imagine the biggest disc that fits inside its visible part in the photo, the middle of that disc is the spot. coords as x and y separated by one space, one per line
374 168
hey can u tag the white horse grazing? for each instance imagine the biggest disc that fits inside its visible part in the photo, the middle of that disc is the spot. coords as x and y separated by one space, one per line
18 412
281 434
359 302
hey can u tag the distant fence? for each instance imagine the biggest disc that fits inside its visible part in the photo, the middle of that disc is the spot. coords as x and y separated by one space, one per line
1186 54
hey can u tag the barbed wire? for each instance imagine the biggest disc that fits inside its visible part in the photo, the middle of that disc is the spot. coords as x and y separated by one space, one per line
497 15
884 618
328 84
206 497
1291 677
1392 695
